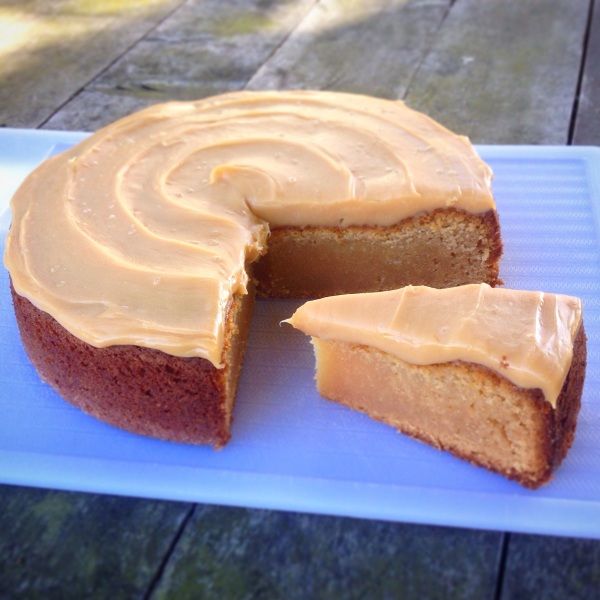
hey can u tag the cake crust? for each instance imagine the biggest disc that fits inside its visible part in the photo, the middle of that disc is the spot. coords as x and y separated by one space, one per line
141 390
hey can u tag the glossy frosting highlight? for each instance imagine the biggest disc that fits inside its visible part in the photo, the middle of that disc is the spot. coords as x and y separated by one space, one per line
524 336
141 234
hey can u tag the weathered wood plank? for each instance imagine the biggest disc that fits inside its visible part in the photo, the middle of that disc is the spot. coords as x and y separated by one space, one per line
238 553
49 50
370 47
206 47
91 110
504 71
587 123
67 545
551 568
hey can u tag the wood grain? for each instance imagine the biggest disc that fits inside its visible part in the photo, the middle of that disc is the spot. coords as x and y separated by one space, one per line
204 48
240 553
504 72
50 50
551 568
68 545
370 47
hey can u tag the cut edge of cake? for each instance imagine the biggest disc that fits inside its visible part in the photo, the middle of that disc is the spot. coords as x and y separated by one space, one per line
518 433
444 248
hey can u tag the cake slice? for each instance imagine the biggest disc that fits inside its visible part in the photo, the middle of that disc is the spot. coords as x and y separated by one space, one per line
492 375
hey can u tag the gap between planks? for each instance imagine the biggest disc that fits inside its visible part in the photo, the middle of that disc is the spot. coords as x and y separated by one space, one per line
155 580
426 53
103 70
502 559
580 75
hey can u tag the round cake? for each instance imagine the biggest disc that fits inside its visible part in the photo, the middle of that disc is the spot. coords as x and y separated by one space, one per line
134 255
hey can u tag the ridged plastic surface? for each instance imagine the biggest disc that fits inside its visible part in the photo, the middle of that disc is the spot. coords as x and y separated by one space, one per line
293 450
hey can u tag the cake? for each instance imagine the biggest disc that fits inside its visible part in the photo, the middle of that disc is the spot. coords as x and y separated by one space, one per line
134 255
492 375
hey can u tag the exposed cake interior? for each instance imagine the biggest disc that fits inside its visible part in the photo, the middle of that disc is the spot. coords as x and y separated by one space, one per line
441 249
493 375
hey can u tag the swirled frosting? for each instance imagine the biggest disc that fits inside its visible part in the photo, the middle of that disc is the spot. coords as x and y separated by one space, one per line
141 233
524 336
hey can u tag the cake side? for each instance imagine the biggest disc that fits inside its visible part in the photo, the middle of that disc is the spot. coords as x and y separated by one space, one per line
444 248
464 408
569 402
141 390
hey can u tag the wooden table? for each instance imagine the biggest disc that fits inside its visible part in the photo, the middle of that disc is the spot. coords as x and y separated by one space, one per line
500 71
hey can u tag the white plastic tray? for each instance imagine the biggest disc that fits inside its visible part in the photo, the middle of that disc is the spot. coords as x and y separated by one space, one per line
293 450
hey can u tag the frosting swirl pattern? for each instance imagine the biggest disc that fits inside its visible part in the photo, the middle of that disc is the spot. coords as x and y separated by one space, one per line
141 233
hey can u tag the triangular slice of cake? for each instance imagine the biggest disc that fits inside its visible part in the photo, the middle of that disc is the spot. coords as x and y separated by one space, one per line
492 375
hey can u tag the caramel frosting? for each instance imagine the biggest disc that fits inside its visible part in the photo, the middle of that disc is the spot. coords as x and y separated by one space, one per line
526 337
141 233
